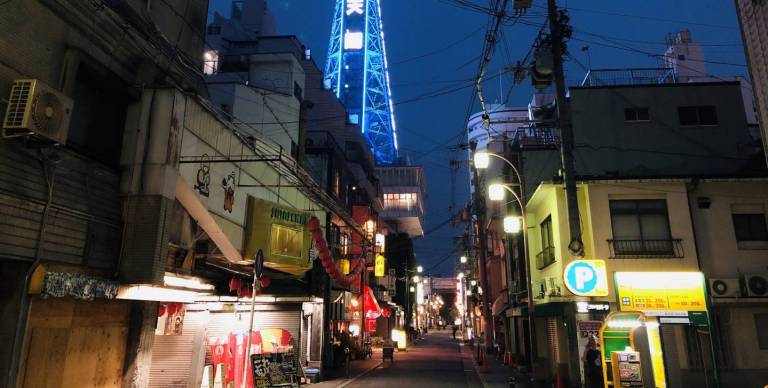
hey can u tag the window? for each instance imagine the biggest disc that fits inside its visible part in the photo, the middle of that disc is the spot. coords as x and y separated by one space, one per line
641 228
297 91
546 233
547 254
636 114
761 325
399 201
750 227
697 115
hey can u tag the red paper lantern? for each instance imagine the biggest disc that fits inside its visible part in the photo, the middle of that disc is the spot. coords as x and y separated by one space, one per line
171 309
161 310
234 284
265 282
386 313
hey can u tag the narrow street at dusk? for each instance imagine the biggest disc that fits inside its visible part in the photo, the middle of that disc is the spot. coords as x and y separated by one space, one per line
383 194
436 361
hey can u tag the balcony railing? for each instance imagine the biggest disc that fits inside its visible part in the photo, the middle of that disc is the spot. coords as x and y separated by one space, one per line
621 248
545 257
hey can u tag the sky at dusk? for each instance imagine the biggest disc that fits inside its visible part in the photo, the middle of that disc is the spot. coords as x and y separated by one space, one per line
434 47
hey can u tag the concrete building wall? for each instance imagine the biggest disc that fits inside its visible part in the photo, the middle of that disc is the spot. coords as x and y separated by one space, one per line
753 18
607 144
723 257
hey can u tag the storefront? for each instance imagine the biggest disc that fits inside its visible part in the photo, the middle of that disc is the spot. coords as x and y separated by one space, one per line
661 333
203 341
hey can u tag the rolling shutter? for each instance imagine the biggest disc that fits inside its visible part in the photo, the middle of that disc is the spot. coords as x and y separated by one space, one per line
172 355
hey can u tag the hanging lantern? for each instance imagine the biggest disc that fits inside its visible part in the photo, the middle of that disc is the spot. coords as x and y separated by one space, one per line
161 310
380 266
265 282
234 284
386 313
344 266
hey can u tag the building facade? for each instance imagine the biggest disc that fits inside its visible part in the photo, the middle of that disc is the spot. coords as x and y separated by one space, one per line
753 19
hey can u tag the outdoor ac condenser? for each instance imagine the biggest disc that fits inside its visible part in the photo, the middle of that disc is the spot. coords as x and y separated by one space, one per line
36 109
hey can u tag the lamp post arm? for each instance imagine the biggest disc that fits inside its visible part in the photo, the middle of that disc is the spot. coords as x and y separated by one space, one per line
510 164
517 196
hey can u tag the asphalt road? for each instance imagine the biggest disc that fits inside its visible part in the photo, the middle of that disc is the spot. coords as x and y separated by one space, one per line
435 361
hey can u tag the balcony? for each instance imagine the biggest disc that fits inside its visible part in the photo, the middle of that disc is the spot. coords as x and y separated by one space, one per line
666 248
545 257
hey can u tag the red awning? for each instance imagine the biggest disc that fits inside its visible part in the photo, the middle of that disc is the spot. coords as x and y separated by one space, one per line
372 309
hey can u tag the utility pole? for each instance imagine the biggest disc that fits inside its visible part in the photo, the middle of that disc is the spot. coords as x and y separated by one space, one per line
576 247
480 210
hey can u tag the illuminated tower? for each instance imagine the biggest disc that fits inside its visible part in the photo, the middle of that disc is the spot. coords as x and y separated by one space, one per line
357 72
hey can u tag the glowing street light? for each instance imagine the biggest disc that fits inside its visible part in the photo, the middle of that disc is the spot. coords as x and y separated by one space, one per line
473 283
496 192
482 159
512 224
419 269
412 289
463 259
416 279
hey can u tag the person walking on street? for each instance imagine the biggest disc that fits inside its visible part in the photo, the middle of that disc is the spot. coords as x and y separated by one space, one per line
454 331
593 364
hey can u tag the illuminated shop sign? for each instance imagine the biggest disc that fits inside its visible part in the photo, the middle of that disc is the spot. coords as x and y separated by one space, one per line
586 277
661 293
588 307
281 233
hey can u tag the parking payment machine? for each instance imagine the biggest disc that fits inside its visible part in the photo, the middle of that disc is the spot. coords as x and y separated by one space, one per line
627 370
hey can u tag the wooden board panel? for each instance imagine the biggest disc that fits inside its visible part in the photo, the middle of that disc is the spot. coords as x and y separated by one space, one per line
75 343
46 357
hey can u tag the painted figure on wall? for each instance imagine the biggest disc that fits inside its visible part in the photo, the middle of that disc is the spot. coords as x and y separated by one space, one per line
228 184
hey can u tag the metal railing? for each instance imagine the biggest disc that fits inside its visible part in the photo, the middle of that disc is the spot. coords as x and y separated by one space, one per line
545 257
631 76
623 248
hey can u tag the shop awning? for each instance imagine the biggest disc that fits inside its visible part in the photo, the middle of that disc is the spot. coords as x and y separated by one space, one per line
500 304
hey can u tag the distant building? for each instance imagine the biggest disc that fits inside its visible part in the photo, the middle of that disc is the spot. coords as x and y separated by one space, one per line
753 18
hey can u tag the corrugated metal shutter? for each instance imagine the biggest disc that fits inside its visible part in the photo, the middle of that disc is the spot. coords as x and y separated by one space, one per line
172 354
223 323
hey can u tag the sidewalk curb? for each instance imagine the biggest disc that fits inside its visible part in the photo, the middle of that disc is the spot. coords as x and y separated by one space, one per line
359 375
475 366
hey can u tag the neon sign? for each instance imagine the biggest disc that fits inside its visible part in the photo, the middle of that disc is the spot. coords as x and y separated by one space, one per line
354 6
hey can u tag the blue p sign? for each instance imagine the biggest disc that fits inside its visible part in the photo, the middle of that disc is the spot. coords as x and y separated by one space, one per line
586 278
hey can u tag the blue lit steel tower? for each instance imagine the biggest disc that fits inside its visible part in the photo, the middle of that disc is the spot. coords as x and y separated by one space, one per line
357 72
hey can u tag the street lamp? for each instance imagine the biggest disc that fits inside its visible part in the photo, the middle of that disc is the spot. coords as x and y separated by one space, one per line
463 259
416 279
512 224
419 269
496 192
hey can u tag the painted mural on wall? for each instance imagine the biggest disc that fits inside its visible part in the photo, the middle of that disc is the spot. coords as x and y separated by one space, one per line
203 184
228 184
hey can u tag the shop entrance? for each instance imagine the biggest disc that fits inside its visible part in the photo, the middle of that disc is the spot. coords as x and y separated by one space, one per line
687 356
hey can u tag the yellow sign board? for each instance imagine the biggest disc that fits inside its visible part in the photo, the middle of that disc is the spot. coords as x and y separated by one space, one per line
281 233
661 293
380 266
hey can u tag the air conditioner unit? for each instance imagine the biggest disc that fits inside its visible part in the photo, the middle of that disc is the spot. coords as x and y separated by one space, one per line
554 287
725 288
36 109
756 285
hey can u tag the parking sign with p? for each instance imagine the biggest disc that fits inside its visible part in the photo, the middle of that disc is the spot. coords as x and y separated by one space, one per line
586 278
